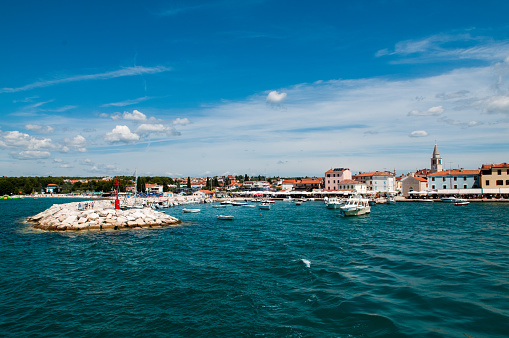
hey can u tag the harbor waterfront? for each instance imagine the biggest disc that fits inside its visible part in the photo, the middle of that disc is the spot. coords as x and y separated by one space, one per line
404 270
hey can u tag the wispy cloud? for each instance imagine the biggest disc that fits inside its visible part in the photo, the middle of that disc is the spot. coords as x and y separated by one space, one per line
128 71
447 47
433 111
126 102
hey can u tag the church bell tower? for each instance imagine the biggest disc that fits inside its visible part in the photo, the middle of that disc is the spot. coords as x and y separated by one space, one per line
436 161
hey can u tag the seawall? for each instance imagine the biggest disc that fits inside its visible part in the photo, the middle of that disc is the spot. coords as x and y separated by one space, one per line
98 215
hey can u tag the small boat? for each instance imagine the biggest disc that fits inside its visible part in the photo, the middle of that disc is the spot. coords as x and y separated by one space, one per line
219 206
334 203
449 199
264 206
248 205
191 210
239 203
225 217
356 206
298 203
461 201
391 200
226 202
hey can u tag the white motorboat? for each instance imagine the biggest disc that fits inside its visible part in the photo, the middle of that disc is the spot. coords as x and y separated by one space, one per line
228 202
191 210
461 201
298 203
449 199
334 203
225 217
264 206
239 203
356 206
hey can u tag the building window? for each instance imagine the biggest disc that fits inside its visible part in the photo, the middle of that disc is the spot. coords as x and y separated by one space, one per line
433 179
464 186
499 171
328 175
464 178
506 182
487 182
455 186
443 179
455 178
433 186
444 187
500 182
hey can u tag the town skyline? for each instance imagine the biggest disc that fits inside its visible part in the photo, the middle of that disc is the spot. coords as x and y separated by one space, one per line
259 88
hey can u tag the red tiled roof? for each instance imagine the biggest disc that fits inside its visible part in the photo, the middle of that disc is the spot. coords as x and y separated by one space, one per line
335 171
489 166
376 173
310 181
457 172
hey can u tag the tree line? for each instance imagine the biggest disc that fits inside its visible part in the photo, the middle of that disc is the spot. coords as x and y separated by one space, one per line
32 185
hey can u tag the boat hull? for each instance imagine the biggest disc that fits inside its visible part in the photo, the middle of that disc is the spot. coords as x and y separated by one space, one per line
356 211
333 206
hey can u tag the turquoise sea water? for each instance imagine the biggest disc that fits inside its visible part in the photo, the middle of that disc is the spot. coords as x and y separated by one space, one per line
405 270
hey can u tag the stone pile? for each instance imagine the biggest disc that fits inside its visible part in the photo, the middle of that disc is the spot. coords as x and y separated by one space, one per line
99 215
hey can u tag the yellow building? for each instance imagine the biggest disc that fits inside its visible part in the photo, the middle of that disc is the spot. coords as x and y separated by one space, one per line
494 176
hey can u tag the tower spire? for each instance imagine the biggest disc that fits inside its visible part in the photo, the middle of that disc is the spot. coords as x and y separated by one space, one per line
436 161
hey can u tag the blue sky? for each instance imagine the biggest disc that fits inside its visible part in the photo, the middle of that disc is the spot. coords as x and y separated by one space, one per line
287 88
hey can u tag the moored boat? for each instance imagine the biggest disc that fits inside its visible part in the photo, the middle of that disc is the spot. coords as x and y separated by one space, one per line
451 199
461 201
334 203
225 217
264 206
356 206
191 210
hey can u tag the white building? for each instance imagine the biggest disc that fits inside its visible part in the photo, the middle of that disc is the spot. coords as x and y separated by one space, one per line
383 182
153 189
354 186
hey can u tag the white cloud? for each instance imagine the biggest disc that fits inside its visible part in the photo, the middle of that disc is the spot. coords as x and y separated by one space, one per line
135 116
126 102
15 139
497 104
149 129
128 71
179 121
433 111
275 98
418 133
31 154
78 141
39 129
121 134
438 47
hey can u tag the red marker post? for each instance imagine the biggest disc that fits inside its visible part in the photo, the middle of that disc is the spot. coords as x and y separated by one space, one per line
116 183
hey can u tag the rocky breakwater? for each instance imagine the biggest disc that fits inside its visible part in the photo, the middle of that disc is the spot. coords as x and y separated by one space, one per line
99 215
